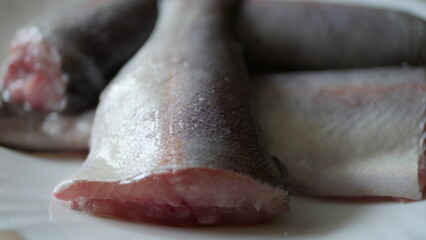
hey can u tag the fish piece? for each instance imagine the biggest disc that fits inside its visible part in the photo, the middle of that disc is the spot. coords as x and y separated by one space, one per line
39 132
62 63
174 139
309 35
348 133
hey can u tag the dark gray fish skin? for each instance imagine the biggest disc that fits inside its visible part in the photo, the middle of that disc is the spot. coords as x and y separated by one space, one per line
94 39
283 36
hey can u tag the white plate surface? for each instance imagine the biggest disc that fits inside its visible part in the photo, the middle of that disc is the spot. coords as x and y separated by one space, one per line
27 210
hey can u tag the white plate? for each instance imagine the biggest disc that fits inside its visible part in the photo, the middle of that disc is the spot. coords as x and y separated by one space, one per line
27 210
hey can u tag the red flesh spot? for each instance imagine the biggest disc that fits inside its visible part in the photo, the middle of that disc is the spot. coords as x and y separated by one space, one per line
33 77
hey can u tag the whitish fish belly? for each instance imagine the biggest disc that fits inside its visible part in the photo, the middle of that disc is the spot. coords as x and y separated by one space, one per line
348 133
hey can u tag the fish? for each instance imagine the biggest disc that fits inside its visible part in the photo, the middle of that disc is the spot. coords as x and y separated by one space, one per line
64 60
47 133
175 140
348 133
282 36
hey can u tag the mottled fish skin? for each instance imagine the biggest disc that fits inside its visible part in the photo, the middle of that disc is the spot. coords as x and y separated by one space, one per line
348 133
176 127
309 35
63 62
39 132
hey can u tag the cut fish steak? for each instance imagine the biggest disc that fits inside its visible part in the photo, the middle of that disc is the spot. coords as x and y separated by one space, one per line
174 138
348 133
63 62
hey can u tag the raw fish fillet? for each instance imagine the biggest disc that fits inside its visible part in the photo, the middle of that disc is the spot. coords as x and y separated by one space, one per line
308 35
174 140
63 62
344 133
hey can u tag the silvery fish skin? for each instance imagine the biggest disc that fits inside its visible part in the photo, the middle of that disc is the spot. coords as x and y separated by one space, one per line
312 35
348 133
174 138
63 62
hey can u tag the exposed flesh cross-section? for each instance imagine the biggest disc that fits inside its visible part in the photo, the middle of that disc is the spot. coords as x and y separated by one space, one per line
174 138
